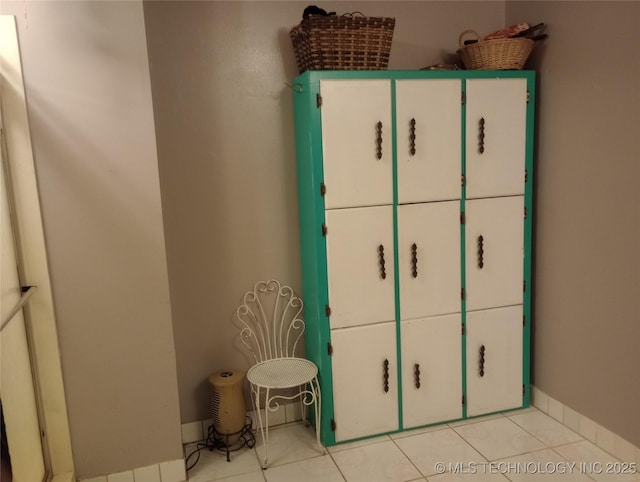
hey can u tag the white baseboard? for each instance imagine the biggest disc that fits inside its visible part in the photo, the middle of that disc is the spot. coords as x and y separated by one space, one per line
590 430
171 471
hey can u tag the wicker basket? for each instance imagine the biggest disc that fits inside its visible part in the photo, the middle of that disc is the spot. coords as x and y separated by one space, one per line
348 42
498 54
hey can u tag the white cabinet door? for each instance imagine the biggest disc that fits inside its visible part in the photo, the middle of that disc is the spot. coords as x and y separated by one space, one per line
494 252
494 360
431 370
429 259
495 136
360 265
365 385
356 142
428 126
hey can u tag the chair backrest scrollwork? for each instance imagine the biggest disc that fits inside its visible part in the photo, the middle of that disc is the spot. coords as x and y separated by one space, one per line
271 316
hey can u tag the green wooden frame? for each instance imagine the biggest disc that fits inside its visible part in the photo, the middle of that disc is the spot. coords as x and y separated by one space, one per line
309 157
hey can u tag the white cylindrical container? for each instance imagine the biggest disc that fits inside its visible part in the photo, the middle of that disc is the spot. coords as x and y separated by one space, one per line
227 403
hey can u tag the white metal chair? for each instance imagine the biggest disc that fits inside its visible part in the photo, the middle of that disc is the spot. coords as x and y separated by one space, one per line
272 327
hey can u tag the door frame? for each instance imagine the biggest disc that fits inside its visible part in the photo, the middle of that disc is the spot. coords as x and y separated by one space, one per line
40 314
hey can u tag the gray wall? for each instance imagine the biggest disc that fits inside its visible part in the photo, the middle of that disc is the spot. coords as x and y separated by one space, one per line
587 267
89 100
224 124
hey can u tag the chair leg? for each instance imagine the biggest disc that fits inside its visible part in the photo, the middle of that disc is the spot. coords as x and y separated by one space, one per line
266 429
303 412
263 425
318 409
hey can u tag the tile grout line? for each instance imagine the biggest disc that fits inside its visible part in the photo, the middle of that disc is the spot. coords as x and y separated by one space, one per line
409 458
542 441
470 444
568 461
513 455
344 477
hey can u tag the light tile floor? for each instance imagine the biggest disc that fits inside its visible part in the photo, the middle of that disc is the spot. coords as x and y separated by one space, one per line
525 445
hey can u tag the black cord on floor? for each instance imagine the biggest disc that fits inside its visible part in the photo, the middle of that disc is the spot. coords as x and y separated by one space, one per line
217 441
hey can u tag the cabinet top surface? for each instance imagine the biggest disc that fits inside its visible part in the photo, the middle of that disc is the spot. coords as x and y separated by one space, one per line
315 75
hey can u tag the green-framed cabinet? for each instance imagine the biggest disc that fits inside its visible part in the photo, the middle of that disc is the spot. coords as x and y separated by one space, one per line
415 203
